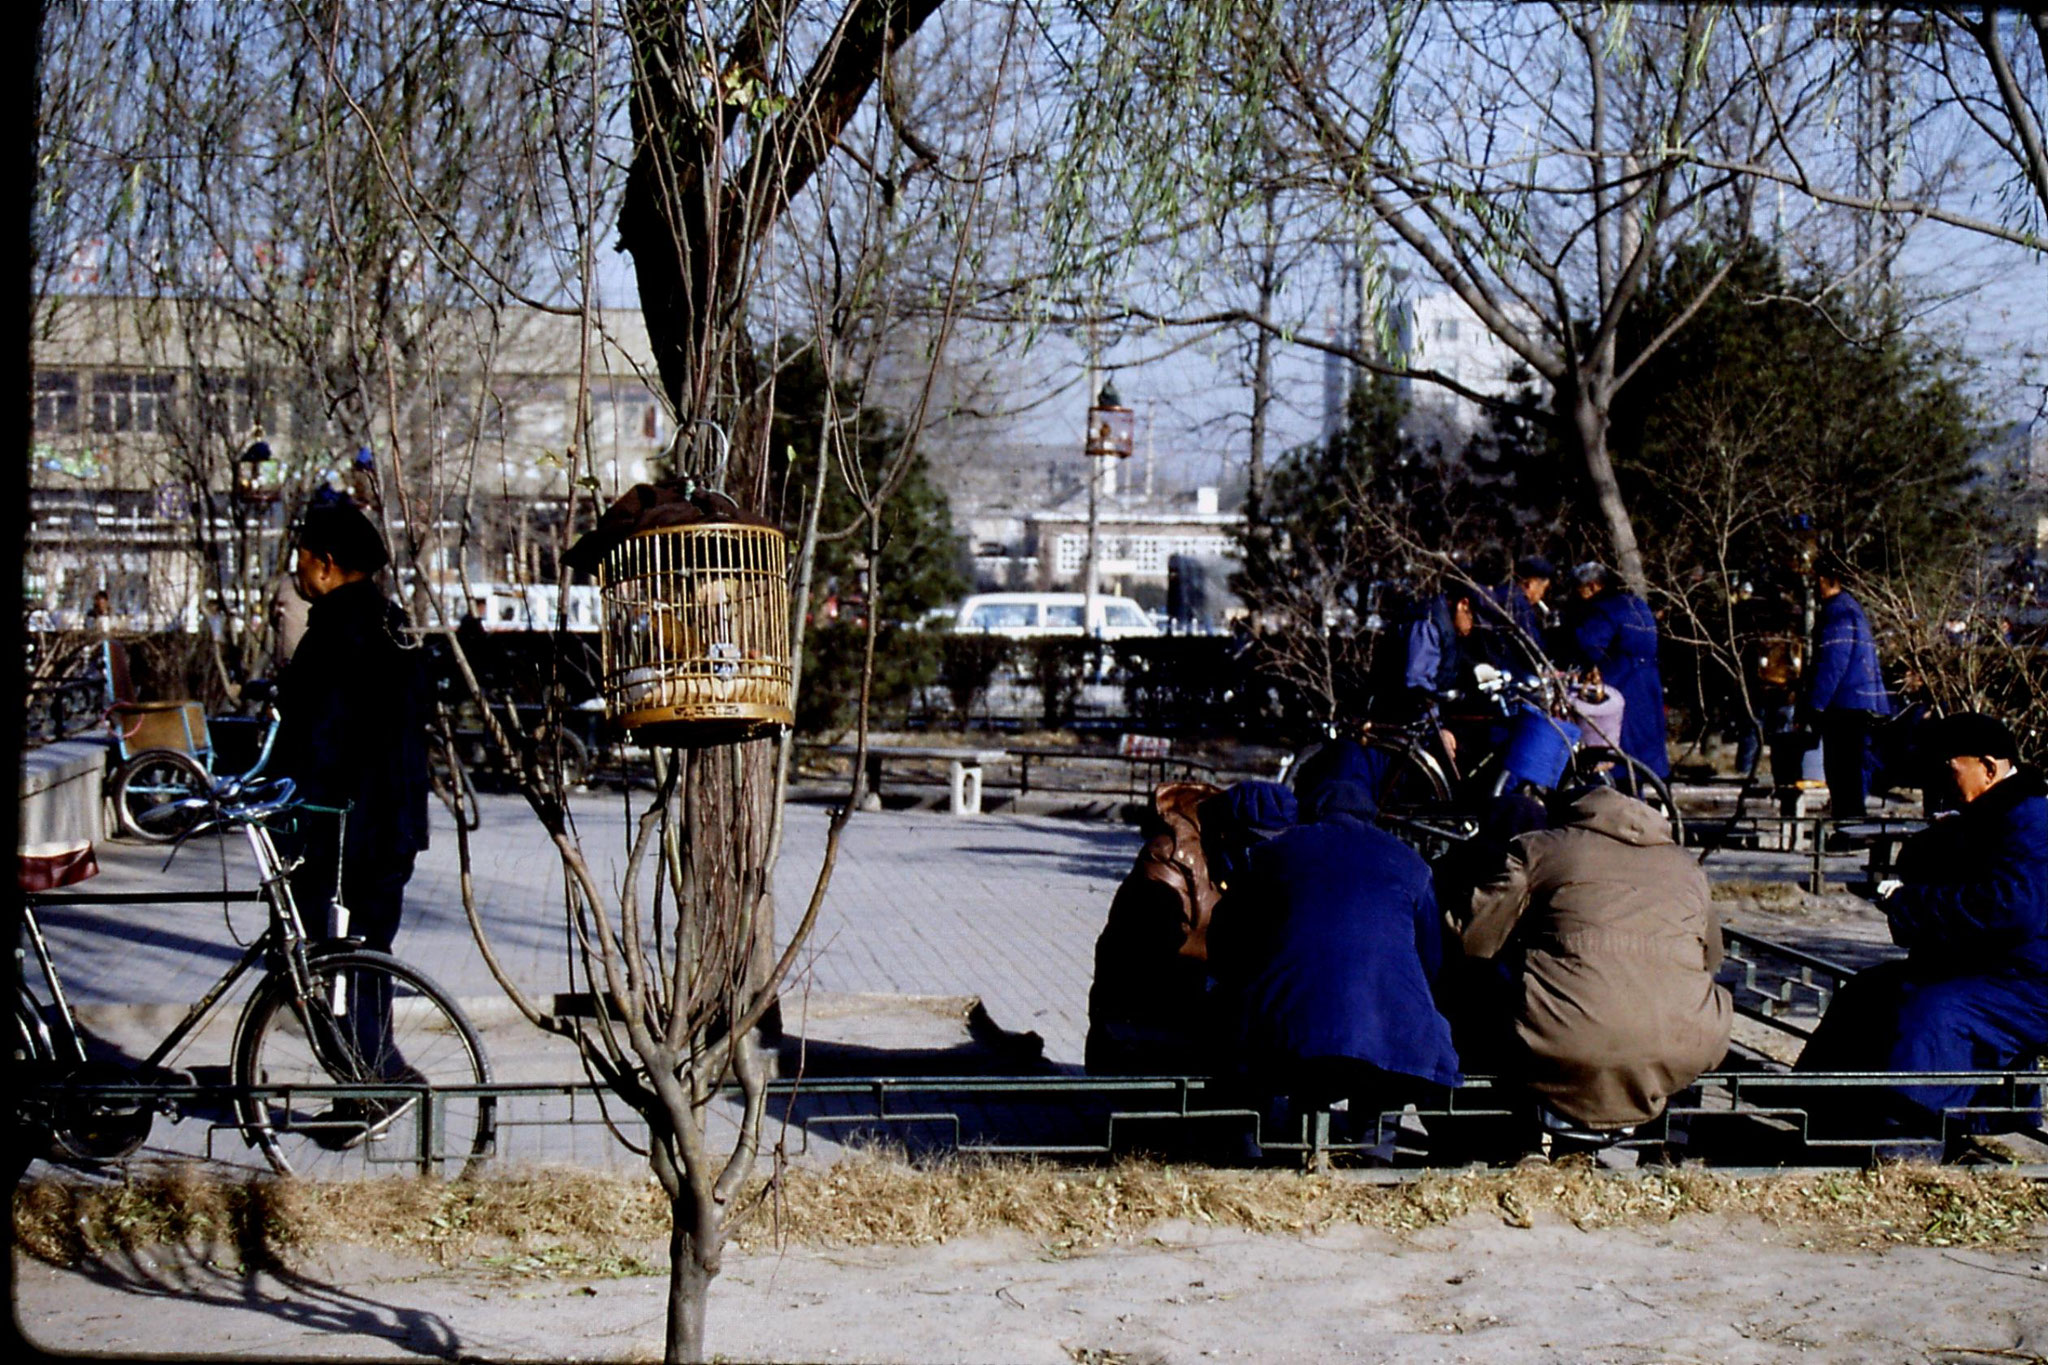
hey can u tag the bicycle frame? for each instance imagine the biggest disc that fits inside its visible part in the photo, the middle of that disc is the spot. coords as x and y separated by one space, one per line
282 943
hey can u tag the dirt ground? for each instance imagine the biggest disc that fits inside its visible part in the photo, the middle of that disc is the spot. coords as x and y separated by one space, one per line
1700 1289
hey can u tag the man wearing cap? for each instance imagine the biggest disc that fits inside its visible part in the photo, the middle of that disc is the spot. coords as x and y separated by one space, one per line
353 703
1519 602
1616 633
1845 693
353 706
1970 906
1328 944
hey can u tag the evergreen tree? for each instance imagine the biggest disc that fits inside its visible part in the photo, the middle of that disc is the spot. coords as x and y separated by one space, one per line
919 566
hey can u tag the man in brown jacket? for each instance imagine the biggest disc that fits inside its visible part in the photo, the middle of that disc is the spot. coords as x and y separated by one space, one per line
1611 943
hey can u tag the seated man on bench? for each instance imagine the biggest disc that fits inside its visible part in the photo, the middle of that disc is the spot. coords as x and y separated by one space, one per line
1970 906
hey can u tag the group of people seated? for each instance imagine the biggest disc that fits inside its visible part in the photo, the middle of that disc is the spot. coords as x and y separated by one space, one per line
1282 937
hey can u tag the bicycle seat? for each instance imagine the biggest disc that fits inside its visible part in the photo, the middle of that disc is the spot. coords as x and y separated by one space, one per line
256 801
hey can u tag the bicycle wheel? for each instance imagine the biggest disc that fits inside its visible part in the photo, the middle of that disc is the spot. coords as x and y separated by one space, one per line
28 1133
1613 768
146 791
1410 775
369 1019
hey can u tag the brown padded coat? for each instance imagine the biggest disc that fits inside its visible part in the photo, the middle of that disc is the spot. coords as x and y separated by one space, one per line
1619 944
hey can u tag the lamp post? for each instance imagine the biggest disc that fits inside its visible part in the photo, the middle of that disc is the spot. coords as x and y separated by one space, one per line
1111 435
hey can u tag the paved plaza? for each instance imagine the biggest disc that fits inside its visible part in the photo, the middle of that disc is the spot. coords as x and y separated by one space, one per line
1001 907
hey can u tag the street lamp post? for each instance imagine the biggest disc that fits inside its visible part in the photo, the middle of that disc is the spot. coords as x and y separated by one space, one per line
1111 435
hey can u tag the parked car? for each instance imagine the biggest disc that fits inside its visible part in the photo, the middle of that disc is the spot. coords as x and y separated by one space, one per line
1031 615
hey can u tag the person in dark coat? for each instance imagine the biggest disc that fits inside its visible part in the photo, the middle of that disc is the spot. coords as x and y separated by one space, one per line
1970 906
353 707
1845 693
1520 620
1329 943
1616 633
1151 1011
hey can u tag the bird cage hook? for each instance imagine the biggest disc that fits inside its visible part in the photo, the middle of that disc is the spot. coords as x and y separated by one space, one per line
717 483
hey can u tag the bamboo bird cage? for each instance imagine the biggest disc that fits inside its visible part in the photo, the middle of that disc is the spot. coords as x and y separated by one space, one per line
696 633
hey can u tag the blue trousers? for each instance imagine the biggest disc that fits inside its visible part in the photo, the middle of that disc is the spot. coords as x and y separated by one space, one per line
1896 1017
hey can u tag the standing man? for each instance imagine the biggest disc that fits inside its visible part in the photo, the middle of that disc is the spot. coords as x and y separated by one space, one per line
1970 907
1519 604
353 706
1845 693
1434 661
353 732
1616 634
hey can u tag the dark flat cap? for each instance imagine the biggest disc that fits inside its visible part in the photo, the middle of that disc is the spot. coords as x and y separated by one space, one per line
1972 734
338 531
1533 566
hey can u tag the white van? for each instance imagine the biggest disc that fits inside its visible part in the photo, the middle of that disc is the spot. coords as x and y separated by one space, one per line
1029 615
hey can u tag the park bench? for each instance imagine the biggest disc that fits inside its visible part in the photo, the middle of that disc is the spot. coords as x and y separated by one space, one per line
963 765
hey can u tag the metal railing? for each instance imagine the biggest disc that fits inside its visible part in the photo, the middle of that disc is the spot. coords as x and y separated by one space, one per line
1100 1117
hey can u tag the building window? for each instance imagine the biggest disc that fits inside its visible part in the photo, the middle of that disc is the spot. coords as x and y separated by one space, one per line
1072 554
237 404
57 402
131 402
625 413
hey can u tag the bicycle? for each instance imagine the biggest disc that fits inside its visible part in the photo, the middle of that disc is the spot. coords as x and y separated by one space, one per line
159 795
151 792
387 1051
1429 802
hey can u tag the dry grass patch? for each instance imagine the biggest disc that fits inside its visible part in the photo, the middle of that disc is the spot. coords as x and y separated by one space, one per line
573 1222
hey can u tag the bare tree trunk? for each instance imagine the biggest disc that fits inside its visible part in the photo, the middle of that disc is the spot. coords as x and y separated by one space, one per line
689 1287
1262 375
1590 424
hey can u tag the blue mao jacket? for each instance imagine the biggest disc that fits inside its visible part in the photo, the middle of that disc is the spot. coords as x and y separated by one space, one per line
1330 942
1845 675
1975 897
1616 633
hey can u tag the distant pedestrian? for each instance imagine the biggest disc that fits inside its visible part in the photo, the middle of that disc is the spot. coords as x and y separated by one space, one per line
1616 633
1845 693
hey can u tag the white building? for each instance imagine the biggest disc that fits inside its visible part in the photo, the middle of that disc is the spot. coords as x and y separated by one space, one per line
1425 329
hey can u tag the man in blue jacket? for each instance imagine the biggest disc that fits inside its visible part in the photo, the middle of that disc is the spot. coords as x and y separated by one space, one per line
1434 661
1518 616
1616 633
1970 906
1845 693
1329 942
